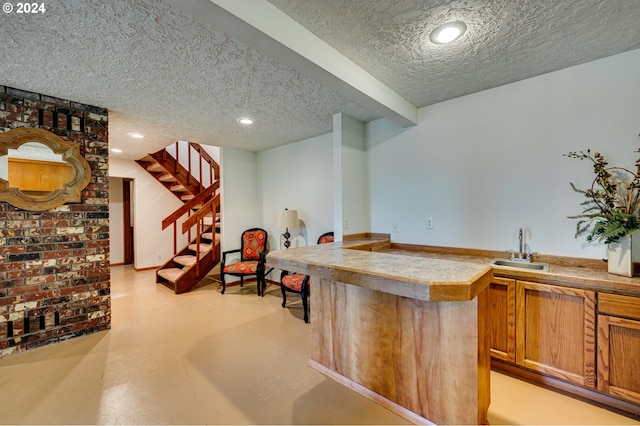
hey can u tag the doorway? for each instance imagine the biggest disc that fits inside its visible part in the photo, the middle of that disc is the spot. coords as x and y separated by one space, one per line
127 214
121 221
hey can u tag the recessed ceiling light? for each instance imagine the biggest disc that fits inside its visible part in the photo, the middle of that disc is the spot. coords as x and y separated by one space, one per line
116 150
245 120
448 32
136 135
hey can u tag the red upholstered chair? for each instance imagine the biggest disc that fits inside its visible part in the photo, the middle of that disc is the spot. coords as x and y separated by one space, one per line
326 238
299 283
253 251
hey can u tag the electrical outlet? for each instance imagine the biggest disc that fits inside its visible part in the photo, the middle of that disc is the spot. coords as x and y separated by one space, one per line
395 228
158 257
346 224
429 223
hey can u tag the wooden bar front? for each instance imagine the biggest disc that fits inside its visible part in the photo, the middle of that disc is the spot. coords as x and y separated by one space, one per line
426 360
430 359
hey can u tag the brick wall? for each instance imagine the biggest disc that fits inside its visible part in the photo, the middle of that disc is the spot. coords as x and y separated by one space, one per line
54 265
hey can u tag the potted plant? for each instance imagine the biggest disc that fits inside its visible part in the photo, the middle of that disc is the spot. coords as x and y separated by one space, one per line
611 212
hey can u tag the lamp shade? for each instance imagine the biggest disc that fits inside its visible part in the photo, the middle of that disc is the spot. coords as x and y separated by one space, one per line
287 218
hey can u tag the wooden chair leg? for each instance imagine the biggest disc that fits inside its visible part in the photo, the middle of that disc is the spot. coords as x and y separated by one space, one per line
284 295
304 306
224 286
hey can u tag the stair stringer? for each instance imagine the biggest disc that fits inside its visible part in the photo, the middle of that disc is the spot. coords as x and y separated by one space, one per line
178 171
158 172
182 182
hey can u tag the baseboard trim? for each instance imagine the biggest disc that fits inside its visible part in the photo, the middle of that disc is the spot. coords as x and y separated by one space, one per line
368 393
590 396
147 268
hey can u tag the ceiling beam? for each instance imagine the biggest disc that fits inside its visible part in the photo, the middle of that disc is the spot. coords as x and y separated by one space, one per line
264 27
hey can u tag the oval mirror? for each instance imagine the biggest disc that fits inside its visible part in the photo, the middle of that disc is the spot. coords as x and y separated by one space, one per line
39 170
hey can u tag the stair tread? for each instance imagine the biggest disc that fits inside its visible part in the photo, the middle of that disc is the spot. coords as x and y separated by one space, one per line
171 274
155 167
209 236
178 188
188 259
203 247
167 178
187 197
185 260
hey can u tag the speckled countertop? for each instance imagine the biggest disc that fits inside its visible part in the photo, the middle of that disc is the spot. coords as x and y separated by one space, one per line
430 279
429 275
569 276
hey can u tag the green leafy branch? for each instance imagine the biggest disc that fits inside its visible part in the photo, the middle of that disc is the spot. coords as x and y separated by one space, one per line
612 205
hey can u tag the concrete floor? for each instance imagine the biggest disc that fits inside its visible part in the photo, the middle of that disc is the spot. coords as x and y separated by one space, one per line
208 358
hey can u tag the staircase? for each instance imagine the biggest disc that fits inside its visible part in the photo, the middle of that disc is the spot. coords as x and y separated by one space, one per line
183 182
185 270
198 188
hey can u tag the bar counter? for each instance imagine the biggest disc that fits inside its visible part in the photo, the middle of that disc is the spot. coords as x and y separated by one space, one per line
406 332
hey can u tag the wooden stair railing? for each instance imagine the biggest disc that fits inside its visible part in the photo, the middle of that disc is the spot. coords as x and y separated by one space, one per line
185 270
183 180
197 219
188 207
198 188
178 171
214 167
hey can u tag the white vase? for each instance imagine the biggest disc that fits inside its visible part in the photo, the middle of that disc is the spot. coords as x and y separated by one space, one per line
624 256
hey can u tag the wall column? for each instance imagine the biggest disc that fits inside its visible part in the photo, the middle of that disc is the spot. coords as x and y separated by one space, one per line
350 184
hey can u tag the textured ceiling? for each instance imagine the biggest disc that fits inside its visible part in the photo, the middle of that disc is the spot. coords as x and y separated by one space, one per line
506 40
163 74
171 75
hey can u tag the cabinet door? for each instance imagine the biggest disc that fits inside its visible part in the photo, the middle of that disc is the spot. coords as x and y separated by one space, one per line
555 331
619 357
502 318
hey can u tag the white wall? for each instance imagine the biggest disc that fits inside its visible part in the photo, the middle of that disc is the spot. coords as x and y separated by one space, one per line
485 164
116 221
241 198
152 203
351 201
299 177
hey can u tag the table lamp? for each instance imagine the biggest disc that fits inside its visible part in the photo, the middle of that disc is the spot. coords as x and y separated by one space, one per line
287 219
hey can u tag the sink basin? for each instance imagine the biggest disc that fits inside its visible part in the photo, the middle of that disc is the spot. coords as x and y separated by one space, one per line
535 266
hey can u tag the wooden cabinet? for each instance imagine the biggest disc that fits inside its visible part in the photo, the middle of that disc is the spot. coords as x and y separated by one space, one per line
545 328
619 346
501 299
559 336
555 331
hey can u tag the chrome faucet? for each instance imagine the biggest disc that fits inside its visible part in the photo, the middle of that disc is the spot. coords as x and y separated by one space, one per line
521 247
521 255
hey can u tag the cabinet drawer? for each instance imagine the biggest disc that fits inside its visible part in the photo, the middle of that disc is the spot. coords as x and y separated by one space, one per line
616 304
